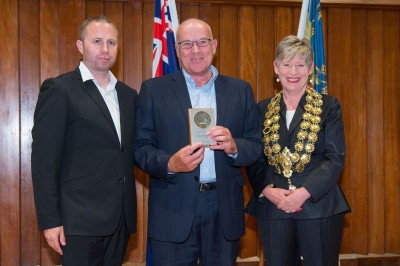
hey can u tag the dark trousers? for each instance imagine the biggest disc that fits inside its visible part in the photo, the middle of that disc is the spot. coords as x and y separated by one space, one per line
205 243
97 250
317 241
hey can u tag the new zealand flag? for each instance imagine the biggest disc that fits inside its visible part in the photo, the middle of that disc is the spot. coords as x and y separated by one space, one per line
165 25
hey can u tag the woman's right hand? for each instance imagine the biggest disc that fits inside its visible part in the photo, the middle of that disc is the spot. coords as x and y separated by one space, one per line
275 195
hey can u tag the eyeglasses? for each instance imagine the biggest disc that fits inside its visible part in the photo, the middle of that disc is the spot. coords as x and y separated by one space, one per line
199 43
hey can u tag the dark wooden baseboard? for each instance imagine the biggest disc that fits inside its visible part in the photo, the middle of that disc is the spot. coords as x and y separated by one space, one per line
345 260
370 260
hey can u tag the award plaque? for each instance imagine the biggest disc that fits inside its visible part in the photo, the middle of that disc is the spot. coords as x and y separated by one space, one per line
200 121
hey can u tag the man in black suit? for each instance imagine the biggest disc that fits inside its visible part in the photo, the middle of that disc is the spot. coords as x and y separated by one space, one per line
196 193
82 159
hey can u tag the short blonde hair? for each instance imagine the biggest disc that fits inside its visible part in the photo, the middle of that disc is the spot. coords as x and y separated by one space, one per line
291 46
86 23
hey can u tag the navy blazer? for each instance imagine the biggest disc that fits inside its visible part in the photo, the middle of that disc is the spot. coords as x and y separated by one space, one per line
320 176
82 175
163 128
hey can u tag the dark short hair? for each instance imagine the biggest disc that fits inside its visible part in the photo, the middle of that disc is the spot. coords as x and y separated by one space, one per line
86 23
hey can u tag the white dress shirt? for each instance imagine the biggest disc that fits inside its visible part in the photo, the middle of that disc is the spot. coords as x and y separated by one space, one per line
109 95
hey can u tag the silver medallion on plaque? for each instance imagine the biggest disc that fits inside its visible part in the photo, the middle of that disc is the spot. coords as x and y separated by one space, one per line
202 119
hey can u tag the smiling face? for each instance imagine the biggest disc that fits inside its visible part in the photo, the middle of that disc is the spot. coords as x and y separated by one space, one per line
294 63
99 46
196 61
293 73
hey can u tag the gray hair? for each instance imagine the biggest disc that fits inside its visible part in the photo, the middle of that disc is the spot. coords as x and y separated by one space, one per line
291 46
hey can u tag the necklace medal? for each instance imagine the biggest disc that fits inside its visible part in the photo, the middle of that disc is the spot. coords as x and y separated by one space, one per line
285 161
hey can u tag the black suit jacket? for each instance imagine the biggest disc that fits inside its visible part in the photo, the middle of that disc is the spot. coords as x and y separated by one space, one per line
320 176
163 129
82 175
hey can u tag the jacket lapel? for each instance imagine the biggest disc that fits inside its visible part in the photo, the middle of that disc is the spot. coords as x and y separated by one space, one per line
178 86
282 122
220 95
298 116
122 106
95 95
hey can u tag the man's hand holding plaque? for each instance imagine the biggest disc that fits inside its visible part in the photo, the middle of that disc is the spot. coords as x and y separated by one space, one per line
223 137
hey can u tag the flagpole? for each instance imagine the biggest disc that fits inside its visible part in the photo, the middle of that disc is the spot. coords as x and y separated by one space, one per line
303 19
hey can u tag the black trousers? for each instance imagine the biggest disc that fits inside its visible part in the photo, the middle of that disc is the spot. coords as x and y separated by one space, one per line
205 243
317 241
97 250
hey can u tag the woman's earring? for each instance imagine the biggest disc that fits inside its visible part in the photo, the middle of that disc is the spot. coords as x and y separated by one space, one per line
277 78
311 79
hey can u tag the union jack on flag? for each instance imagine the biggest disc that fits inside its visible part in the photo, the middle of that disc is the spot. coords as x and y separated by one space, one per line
165 25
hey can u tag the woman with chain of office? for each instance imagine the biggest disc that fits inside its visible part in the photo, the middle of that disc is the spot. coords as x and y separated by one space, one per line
297 199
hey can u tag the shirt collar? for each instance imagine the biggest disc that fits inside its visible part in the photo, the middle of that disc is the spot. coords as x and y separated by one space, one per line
191 82
87 75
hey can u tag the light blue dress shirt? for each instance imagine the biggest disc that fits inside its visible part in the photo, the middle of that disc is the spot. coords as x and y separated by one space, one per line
204 97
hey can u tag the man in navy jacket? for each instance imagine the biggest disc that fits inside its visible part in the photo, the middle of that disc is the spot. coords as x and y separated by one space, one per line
196 208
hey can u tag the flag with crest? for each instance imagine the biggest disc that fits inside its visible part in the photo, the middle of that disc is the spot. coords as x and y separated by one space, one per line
310 27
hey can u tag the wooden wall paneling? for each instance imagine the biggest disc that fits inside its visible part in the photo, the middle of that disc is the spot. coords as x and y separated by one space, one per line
72 14
49 67
339 81
356 139
93 8
296 11
247 71
247 45
266 46
247 40
284 23
9 137
341 3
136 250
362 56
265 86
371 260
49 42
114 10
133 44
29 60
342 92
210 13
133 58
148 14
188 10
391 121
376 192
143 50
340 89
228 41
